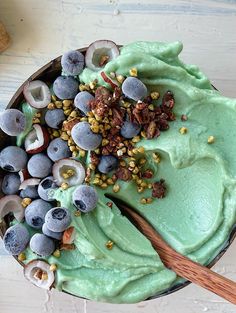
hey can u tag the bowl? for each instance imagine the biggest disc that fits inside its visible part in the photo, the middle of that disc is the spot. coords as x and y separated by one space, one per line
48 73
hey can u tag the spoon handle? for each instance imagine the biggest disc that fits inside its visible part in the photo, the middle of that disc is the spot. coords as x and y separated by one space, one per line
183 266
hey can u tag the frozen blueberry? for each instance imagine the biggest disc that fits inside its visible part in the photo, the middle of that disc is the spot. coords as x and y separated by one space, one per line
72 62
129 129
58 149
39 165
42 245
45 187
65 87
29 192
35 213
84 137
107 163
134 89
13 159
16 239
11 184
50 233
12 122
85 198
54 118
82 101
58 219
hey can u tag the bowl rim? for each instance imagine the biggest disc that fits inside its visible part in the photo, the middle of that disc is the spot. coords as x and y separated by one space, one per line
52 69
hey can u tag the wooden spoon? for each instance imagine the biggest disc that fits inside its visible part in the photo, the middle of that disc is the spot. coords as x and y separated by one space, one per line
180 264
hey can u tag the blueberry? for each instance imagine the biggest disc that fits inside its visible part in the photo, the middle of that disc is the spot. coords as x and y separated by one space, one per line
58 149
72 62
58 219
35 213
52 234
13 159
12 122
84 137
130 130
44 188
81 101
39 165
134 89
65 87
11 184
16 239
42 245
54 118
29 192
85 198
107 163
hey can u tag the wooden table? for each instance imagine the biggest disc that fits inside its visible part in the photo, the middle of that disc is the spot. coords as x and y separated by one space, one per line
42 30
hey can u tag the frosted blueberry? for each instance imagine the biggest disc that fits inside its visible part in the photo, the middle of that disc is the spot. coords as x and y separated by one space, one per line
42 245
52 234
54 118
82 101
133 88
12 122
65 87
58 149
45 187
84 137
58 219
39 165
11 184
107 163
35 213
13 159
16 239
129 129
85 198
72 62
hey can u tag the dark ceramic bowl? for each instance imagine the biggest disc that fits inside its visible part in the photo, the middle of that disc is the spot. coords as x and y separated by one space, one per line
48 73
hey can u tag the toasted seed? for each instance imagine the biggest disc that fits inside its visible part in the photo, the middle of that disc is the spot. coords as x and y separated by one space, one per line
211 139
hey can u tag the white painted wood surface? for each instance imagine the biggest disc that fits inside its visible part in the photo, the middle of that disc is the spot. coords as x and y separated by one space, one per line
42 30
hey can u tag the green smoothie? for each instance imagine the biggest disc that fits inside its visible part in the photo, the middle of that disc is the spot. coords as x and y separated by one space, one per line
198 212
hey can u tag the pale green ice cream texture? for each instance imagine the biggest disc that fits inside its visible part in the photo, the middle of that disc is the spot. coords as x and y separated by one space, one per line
198 212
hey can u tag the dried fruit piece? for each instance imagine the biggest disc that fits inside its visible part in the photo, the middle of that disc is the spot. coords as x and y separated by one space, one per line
98 51
37 94
34 271
69 235
159 189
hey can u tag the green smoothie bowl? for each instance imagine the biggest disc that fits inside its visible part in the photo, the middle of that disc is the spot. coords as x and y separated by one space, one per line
112 123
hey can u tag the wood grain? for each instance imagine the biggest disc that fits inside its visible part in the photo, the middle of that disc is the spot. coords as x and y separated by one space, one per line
180 264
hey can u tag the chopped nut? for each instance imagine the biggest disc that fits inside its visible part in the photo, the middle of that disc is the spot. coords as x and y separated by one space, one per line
72 148
103 185
143 200
141 149
58 104
183 130
143 134
67 103
120 78
64 186
67 112
109 244
64 136
155 95
136 139
159 189
92 85
57 253
151 107
110 204
54 98
35 120
22 257
142 161
211 139
75 154
44 276
140 189
82 153
73 114
156 157
184 117
25 202
132 164
110 181
133 72
135 170
77 213
116 188
105 142
53 267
